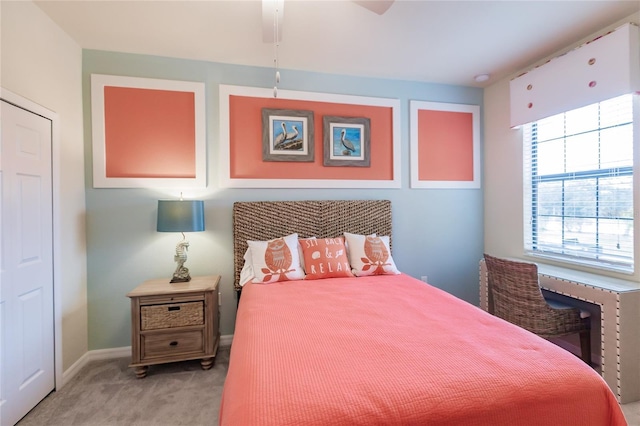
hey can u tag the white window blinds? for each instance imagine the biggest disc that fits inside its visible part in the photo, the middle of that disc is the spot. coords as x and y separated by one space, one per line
578 185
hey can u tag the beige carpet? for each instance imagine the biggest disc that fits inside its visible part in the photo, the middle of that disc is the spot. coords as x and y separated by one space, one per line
107 393
632 413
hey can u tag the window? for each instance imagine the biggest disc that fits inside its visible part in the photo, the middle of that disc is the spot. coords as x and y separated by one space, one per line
578 185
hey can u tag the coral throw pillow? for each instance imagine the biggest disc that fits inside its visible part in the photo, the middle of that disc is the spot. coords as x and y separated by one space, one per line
276 260
370 255
325 258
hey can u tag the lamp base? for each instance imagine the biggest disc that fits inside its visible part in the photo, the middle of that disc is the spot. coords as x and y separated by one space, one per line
181 274
177 279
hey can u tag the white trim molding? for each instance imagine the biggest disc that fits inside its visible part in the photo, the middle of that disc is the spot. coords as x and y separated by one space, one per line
100 178
474 110
226 91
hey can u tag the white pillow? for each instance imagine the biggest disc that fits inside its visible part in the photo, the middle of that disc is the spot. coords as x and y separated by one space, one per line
246 275
370 255
276 260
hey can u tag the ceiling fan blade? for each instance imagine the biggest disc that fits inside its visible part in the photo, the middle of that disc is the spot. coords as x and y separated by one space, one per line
377 6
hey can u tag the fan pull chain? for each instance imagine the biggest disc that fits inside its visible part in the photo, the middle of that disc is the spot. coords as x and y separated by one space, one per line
276 42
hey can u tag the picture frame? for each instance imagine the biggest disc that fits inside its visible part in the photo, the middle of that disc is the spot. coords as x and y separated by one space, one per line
148 133
347 141
287 135
444 145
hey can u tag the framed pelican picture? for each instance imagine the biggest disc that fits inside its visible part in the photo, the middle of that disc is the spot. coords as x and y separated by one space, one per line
346 141
287 135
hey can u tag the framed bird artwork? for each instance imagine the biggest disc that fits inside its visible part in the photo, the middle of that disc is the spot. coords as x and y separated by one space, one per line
347 141
287 135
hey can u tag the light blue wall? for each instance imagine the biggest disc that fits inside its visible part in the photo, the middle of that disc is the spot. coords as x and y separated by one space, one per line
438 233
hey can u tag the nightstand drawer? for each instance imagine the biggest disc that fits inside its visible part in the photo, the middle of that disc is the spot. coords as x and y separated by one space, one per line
171 315
172 343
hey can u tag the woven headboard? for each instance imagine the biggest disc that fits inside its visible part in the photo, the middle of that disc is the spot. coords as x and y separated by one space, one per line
266 220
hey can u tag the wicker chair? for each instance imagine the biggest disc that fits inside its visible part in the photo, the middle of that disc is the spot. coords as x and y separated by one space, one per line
515 296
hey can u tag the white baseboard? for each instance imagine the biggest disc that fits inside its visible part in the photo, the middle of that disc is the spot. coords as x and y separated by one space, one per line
73 370
94 355
100 354
226 340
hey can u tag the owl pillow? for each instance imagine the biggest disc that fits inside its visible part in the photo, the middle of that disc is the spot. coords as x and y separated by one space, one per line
247 275
370 255
276 260
325 258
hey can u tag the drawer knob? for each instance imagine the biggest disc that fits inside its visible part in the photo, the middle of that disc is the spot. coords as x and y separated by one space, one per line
173 308
174 343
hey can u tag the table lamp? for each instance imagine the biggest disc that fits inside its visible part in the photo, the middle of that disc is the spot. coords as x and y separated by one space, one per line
180 216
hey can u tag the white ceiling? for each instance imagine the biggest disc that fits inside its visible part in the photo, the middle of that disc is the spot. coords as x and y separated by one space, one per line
434 41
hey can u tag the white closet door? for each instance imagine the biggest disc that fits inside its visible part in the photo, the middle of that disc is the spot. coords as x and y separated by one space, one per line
27 367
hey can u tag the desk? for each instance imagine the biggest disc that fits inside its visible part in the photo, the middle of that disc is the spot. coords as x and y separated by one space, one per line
619 303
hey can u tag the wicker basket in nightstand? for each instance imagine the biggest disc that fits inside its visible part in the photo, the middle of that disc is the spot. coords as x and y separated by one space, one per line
174 322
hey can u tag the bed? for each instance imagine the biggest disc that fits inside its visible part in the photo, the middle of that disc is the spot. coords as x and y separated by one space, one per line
386 349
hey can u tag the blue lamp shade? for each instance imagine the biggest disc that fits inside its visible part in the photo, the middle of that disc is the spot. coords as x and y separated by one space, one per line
180 215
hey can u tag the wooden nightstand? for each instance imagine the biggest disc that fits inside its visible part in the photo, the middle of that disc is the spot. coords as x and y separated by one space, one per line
174 322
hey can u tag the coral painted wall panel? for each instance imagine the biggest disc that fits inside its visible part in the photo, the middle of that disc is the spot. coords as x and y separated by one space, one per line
149 133
245 134
445 145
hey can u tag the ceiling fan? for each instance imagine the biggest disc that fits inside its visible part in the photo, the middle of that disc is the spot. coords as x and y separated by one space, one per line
273 11
376 6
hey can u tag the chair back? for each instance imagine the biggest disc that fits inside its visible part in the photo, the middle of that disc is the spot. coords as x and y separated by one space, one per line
516 293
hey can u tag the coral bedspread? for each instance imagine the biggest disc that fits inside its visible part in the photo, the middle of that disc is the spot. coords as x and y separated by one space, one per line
393 350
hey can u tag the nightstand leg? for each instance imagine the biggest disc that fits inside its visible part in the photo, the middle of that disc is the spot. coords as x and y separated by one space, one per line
141 372
207 363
